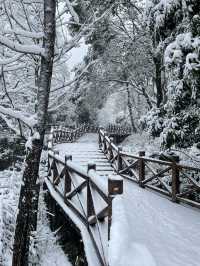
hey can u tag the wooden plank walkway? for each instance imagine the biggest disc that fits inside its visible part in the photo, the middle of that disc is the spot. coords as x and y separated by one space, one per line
85 151
146 229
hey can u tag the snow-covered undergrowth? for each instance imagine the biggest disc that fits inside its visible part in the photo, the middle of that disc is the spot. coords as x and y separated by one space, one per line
10 187
45 249
141 142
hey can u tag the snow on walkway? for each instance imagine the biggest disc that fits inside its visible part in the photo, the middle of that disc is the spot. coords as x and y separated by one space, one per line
153 230
147 229
84 151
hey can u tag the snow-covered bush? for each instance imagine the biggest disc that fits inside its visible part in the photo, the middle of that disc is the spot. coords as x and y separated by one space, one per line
153 122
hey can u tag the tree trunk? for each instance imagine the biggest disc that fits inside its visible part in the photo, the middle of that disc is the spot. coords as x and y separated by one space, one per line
158 66
27 216
130 109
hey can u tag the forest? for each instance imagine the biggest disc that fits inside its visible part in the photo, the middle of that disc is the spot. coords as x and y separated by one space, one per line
125 64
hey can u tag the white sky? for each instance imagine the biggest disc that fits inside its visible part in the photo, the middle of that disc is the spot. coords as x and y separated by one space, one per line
77 55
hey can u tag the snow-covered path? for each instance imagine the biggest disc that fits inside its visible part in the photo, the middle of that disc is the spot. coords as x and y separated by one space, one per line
154 227
147 229
86 150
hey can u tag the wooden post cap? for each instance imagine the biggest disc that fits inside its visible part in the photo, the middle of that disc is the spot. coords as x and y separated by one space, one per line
91 166
141 153
68 157
119 148
111 139
115 185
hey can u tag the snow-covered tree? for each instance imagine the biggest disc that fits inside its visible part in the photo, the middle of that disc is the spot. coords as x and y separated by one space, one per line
121 48
175 31
35 43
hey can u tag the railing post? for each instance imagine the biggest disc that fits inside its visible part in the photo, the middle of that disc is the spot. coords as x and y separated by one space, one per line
104 143
90 204
119 160
175 181
100 142
67 184
55 171
141 167
110 154
50 142
48 166
115 187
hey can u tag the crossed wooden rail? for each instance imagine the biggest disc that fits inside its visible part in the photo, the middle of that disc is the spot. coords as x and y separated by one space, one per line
177 181
62 134
88 195
118 130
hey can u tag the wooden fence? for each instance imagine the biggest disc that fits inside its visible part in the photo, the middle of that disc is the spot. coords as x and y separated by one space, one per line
87 196
62 134
177 181
113 129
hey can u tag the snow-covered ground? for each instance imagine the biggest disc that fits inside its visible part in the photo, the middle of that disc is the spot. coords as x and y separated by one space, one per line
141 142
9 194
47 251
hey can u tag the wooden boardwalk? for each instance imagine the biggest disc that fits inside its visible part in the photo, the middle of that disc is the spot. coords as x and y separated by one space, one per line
83 183
144 225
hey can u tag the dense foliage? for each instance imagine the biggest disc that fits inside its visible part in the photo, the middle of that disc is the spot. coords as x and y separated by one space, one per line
175 31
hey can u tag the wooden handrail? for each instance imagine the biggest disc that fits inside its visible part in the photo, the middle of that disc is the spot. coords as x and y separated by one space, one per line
141 172
89 179
61 134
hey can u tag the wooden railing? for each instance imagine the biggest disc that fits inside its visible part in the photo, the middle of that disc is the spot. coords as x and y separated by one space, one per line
177 181
62 134
87 195
118 130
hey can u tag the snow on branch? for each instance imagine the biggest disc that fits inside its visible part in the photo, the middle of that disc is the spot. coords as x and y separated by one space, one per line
10 60
27 120
28 2
26 49
71 82
72 11
25 33
10 124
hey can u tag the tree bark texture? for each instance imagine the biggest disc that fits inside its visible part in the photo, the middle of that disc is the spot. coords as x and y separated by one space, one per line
29 194
158 79
130 109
